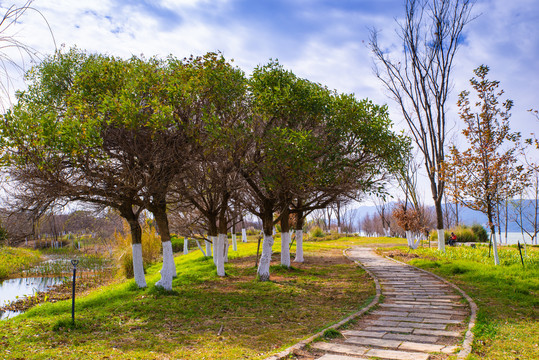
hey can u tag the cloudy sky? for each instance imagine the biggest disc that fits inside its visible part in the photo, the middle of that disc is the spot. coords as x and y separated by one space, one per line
321 40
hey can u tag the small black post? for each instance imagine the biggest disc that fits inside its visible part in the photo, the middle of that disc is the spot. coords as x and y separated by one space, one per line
520 251
257 251
74 262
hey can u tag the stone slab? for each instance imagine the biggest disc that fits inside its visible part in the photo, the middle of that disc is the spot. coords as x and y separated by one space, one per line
437 332
397 355
422 325
372 334
366 341
395 329
410 337
408 345
340 348
340 357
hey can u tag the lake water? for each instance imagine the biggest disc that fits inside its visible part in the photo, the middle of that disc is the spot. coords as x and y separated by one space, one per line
513 238
13 289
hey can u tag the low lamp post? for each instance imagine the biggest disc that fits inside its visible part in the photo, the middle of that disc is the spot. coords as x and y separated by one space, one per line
74 263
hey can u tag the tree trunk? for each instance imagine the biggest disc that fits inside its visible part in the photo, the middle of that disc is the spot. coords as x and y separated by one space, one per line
299 238
243 235
234 242
285 238
185 245
136 239
219 252
168 271
493 232
267 245
126 211
440 223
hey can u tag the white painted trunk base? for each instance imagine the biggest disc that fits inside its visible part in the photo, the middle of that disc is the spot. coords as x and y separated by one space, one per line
299 246
213 248
339 230
441 239
243 235
138 268
168 271
226 246
234 243
208 247
265 259
185 245
218 253
495 250
413 244
285 249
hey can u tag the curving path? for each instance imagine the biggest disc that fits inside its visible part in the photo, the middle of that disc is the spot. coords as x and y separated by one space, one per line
420 315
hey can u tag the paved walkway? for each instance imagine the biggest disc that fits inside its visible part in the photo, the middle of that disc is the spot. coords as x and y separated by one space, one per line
419 316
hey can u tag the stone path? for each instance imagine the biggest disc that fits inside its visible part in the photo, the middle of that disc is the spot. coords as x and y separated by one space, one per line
419 318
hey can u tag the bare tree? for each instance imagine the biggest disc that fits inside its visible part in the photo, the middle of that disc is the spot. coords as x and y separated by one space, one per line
419 81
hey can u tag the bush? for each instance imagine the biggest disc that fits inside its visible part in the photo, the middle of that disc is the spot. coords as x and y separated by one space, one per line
480 233
463 233
316 232
151 249
177 243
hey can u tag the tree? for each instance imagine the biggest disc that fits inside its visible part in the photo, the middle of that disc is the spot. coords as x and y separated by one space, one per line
419 82
13 53
487 172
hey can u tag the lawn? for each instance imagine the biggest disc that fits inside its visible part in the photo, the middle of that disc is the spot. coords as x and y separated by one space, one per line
236 317
507 295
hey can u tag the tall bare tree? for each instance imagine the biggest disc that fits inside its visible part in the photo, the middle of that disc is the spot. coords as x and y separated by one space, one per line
419 79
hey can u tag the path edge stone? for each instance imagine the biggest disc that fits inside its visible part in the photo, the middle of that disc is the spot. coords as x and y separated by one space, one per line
309 340
468 337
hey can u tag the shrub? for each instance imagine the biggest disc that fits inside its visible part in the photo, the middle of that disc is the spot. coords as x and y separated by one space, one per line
463 233
480 233
177 243
151 249
316 232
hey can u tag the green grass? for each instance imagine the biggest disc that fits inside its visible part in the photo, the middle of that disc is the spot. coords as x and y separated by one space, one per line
14 260
257 318
507 296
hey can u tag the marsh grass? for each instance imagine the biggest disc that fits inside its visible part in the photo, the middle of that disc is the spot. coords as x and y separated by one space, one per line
15 260
205 316
507 295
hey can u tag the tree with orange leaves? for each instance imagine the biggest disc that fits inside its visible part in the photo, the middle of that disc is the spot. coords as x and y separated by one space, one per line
487 172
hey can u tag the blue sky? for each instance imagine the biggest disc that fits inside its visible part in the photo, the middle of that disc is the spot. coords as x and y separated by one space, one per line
321 40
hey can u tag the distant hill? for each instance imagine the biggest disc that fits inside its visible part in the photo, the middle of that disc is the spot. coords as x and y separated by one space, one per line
466 216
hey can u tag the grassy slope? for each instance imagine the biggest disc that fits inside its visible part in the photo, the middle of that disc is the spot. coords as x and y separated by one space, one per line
507 296
124 322
13 260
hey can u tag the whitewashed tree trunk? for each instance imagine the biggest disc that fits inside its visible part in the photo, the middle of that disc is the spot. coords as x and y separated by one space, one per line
234 243
185 245
274 231
495 250
441 239
244 235
299 246
285 249
200 247
213 248
208 247
338 229
265 259
138 267
412 243
168 271
218 253
226 246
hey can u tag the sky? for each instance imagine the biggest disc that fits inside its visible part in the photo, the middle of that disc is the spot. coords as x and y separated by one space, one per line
325 41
